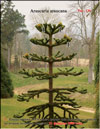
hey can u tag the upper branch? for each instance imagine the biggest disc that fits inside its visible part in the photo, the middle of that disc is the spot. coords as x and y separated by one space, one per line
50 29
56 58
59 57
57 42
40 75
42 42
63 41
67 72
62 91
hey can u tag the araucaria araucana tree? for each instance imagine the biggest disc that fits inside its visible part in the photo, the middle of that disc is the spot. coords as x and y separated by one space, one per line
58 97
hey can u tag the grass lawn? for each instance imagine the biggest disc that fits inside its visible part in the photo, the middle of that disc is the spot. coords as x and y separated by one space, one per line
80 81
11 106
18 80
87 100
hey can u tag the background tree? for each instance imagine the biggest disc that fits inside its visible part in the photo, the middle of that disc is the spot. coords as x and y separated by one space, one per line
20 46
45 17
96 8
82 25
6 83
58 97
11 21
97 66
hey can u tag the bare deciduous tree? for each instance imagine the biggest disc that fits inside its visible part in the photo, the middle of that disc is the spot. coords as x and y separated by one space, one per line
84 27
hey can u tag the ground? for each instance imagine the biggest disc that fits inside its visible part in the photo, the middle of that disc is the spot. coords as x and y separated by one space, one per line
24 89
11 106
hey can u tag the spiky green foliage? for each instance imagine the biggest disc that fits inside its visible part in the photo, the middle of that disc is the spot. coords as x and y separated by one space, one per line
61 96
50 29
6 84
56 58
40 75
57 42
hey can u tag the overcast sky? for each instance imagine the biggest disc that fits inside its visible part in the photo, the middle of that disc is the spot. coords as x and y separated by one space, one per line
25 7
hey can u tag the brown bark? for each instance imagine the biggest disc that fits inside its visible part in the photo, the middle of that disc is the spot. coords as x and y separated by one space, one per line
20 60
90 73
91 47
9 54
50 82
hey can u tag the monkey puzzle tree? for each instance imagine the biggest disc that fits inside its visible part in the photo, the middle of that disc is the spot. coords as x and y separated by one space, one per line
58 97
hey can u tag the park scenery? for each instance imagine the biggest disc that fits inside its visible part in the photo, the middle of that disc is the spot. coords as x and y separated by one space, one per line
50 64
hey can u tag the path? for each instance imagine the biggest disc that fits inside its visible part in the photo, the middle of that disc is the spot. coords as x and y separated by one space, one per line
24 89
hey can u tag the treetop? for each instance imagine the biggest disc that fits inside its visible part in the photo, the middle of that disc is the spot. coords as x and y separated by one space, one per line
50 29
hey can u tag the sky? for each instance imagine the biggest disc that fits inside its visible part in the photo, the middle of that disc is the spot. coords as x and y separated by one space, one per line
25 7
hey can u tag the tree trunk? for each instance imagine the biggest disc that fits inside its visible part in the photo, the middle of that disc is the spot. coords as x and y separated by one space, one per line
91 47
16 64
20 60
50 82
90 73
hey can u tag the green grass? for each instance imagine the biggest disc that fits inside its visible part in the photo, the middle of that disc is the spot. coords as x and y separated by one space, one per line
18 80
11 106
66 81
62 81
